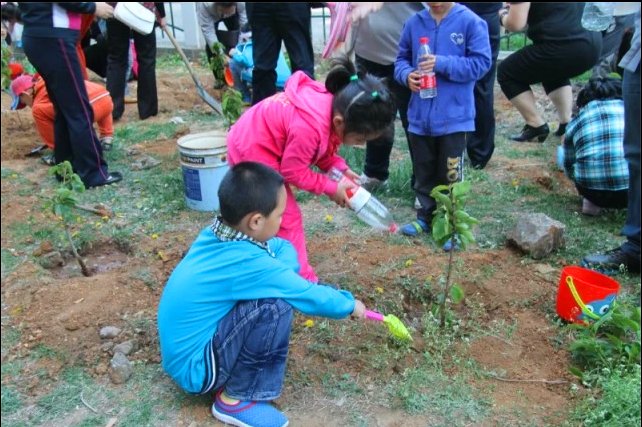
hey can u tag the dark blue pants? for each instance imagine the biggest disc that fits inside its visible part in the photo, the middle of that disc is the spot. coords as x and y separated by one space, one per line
378 150
251 344
118 36
75 139
272 24
481 143
436 160
631 92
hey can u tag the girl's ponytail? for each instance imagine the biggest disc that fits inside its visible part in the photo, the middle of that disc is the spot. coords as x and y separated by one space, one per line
364 101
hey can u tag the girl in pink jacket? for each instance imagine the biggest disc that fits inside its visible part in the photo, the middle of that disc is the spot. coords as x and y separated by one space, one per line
303 127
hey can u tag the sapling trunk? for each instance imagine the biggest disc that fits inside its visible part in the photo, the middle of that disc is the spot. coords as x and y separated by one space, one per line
81 262
447 286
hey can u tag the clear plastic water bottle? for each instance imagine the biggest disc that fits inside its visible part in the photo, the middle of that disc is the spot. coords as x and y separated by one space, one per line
367 207
428 82
598 16
560 157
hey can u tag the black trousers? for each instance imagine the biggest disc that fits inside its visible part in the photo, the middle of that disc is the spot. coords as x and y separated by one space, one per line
378 150
616 199
57 62
552 64
436 160
481 143
273 24
118 35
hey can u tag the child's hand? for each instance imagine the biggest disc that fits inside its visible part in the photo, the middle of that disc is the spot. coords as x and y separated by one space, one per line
340 197
428 64
413 81
359 311
352 175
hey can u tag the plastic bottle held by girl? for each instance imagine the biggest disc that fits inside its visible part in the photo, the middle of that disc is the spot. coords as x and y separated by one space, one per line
598 16
428 82
366 206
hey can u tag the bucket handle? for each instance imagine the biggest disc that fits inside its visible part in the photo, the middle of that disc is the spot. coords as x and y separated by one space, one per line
578 300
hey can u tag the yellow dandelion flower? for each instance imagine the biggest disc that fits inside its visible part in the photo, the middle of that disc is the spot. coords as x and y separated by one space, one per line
154 236
308 323
409 263
379 290
329 218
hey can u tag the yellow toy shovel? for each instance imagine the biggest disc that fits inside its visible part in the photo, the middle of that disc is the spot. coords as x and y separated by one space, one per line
395 326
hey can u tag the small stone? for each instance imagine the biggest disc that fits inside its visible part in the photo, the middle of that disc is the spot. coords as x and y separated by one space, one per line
51 260
106 347
101 369
120 368
125 347
109 332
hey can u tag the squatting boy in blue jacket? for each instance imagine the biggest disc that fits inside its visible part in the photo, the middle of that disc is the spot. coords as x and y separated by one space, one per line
458 41
225 315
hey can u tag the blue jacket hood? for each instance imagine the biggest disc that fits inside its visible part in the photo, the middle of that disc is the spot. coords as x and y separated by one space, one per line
461 44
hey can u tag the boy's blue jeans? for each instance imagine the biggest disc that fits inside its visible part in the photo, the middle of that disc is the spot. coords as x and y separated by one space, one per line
252 348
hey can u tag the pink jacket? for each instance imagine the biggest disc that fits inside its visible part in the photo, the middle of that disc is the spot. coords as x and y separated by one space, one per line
290 132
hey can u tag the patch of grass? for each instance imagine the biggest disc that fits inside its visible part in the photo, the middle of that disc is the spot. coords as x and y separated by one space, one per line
169 60
10 261
340 385
514 41
11 401
42 351
448 398
615 403
64 398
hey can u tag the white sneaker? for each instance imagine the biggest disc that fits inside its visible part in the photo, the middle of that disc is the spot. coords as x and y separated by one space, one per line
417 204
371 183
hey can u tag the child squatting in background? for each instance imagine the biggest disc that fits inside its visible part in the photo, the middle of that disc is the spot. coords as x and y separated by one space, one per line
225 316
303 127
593 147
437 129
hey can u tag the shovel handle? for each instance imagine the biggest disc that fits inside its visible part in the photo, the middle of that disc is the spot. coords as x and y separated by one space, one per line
373 315
182 54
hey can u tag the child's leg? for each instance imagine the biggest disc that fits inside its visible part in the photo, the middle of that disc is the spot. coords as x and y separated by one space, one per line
292 231
239 84
103 108
450 155
424 168
252 348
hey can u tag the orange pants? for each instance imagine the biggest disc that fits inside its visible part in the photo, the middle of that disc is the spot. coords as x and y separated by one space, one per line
44 114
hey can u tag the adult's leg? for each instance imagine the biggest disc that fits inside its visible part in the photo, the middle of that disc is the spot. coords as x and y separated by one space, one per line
631 94
266 45
146 92
117 56
378 150
481 143
604 198
293 24
75 139
562 98
251 344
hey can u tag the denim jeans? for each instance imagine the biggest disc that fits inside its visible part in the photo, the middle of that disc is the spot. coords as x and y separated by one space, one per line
252 349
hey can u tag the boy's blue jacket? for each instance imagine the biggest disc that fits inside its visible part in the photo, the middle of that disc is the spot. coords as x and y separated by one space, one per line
461 45
207 284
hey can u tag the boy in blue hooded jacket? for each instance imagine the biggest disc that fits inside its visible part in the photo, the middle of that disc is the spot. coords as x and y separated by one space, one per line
225 315
461 54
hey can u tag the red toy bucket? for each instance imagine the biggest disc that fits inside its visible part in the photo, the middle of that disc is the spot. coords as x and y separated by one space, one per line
584 294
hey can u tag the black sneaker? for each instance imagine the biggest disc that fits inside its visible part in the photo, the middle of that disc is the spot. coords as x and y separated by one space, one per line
561 130
531 134
612 262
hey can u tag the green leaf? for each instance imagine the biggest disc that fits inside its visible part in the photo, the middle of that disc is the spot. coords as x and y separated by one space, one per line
441 199
440 230
461 188
464 217
456 294
576 371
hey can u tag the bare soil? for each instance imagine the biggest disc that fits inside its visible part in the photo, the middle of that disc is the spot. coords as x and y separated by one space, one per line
65 311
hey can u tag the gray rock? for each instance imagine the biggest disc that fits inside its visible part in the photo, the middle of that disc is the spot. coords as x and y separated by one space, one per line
109 332
120 368
125 347
537 235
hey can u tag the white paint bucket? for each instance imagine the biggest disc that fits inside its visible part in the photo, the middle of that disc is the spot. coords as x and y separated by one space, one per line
204 164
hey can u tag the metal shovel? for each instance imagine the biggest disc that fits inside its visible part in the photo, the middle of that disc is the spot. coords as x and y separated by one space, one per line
209 99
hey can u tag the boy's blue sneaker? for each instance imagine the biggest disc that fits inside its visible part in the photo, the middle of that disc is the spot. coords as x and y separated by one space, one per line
448 246
248 413
414 228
